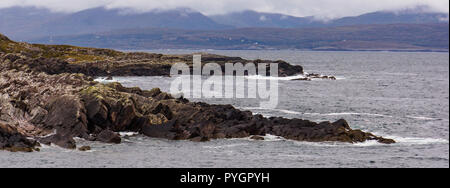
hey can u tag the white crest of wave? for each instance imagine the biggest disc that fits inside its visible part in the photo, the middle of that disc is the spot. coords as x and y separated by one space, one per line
418 141
225 146
340 114
259 77
421 118
128 133
104 80
273 138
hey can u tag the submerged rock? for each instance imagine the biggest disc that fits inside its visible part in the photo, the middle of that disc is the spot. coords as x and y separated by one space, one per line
84 148
64 141
309 77
108 136
257 138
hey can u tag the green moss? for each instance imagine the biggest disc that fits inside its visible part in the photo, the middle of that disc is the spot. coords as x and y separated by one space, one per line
65 52
77 54
106 92
98 91
11 47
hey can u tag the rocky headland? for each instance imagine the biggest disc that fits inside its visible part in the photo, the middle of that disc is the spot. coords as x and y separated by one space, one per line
57 59
48 96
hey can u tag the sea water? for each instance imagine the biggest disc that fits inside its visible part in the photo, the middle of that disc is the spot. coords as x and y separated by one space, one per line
403 96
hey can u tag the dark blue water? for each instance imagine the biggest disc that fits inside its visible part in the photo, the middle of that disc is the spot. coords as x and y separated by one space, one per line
403 96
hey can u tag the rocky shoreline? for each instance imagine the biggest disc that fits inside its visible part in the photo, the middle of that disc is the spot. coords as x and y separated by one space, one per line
48 96
93 62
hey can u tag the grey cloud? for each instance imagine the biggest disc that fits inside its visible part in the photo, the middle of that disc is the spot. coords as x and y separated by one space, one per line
318 8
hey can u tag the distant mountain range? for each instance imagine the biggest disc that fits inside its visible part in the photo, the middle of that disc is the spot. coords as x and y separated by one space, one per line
186 28
41 22
23 23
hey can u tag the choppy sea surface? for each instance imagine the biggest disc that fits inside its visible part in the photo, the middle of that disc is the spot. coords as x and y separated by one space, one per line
404 96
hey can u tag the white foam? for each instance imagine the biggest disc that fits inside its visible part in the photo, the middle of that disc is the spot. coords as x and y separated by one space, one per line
290 112
43 146
340 78
104 80
338 114
271 109
319 144
224 146
421 118
89 151
53 147
259 77
128 133
417 141
354 113
272 138
368 143
301 76
319 114
408 141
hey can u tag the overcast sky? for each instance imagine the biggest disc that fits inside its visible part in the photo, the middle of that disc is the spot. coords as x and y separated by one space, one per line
318 8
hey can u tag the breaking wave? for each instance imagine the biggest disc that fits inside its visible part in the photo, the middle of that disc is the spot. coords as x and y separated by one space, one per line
340 114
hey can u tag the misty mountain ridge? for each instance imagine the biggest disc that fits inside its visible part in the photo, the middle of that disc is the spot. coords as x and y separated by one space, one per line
246 19
18 22
98 20
101 19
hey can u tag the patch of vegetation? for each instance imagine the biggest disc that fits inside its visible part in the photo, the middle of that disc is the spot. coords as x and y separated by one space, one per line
105 92
8 46
71 53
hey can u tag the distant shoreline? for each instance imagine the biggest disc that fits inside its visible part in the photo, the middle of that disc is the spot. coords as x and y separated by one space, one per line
299 50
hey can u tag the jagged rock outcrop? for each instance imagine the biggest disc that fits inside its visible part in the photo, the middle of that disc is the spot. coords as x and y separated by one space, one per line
11 140
42 99
56 108
4 38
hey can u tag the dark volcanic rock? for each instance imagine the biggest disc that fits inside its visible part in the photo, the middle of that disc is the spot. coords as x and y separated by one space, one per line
84 148
67 115
64 141
108 136
159 130
257 138
11 140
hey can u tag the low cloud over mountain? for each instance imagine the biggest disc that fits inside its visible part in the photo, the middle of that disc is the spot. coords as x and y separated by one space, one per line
330 9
